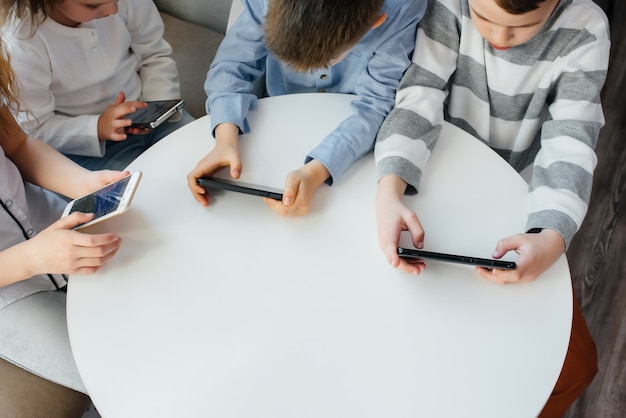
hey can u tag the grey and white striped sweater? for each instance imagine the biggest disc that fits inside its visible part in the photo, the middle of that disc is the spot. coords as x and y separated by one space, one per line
536 104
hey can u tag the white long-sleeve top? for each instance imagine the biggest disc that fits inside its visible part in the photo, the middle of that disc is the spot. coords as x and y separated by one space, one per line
536 104
68 76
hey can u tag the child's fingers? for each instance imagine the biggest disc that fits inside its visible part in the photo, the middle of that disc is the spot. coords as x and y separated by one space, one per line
413 266
119 99
200 194
507 244
137 104
201 198
279 207
72 220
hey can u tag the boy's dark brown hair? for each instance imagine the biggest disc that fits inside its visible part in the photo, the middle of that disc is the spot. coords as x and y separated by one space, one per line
518 7
308 34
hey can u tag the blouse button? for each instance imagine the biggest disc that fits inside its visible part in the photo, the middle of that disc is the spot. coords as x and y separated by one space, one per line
8 203
30 232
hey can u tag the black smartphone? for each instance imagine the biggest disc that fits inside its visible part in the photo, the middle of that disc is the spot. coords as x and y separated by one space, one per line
461 259
240 186
155 114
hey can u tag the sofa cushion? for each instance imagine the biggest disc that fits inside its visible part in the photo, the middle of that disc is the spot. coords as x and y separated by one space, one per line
194 48
33 335
212 14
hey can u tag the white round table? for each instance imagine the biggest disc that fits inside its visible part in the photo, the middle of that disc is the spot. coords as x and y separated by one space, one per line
232 311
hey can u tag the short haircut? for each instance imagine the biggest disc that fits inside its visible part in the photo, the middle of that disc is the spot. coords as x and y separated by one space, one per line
518 7
308 34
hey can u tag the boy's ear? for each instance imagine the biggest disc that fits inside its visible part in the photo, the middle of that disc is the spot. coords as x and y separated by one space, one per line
379 21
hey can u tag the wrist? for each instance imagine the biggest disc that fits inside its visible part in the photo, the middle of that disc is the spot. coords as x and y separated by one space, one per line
101 134
317 172
555 238
391 186
226 134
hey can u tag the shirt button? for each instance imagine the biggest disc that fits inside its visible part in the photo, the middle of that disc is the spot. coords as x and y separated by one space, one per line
323 76
30 232
8 203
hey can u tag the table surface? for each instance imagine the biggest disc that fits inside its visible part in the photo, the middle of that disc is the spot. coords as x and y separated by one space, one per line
234 311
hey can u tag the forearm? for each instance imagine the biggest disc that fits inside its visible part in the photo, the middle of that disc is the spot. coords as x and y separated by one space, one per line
42 165
68 134
37 162
15 265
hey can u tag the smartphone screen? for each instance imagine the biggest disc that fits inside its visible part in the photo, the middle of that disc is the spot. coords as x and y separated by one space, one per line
107 201
103 201
241 187
453 258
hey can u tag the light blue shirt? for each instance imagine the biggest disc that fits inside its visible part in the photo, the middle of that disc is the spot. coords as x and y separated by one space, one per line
371 71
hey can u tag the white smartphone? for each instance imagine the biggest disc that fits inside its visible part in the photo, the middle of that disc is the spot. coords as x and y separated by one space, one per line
113 199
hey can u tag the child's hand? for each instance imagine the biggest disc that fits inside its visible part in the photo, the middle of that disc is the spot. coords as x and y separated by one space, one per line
113 123
58 249
537 252
95 180
393 217
225 154
300 187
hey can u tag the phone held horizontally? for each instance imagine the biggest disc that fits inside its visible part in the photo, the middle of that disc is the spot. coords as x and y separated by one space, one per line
461 259
240 187
112 199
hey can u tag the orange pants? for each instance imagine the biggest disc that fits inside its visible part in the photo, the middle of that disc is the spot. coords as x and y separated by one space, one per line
579 368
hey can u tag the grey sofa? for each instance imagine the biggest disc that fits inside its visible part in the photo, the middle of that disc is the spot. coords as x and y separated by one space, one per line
194 29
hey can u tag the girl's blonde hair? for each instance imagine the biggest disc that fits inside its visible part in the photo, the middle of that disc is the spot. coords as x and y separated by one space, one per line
7 82
25 9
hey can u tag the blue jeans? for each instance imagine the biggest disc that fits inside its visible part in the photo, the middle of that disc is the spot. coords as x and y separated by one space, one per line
121 153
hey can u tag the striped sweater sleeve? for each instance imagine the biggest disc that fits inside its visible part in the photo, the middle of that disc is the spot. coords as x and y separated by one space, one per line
562 169
409 133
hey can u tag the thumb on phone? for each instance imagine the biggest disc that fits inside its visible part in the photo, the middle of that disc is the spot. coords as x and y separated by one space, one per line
73 220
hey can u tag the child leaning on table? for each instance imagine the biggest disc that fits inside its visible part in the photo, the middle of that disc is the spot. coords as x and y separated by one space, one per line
523 76
37 250
358 47
78 62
